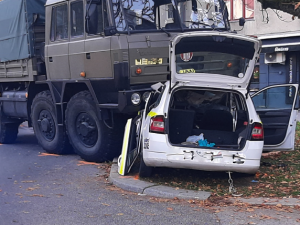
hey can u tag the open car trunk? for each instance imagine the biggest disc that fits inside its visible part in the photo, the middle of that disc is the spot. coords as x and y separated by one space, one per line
220 115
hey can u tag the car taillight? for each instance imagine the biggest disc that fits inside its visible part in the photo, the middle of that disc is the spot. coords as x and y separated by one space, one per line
257 132
157 124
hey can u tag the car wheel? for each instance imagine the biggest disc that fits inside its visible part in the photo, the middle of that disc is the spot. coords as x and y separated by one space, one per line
91 139
50 136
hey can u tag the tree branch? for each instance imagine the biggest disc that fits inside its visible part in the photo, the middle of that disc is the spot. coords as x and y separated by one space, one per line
287 6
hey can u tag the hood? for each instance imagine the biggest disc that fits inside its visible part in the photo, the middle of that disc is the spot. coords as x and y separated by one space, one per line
213 59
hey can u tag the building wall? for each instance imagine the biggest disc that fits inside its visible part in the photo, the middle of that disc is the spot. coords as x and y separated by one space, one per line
273 25
260 26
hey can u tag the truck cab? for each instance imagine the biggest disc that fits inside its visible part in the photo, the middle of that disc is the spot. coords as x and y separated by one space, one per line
101 58
120 47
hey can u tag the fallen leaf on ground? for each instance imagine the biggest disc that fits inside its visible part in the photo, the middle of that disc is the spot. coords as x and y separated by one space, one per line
170 209
80 163
36 195
48 154
262 217
120 214
28 181
136 177
32 188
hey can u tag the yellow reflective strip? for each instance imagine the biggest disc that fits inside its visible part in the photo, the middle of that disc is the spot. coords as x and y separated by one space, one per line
152 114
125 147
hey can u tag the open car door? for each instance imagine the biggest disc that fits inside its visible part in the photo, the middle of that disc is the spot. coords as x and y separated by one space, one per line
132 140
276 107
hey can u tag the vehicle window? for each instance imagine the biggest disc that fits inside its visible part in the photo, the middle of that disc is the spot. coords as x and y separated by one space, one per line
59 29
201 14
77 28
52 34
275 98
102 17
98 17
211 62
153 15
134 15
158 96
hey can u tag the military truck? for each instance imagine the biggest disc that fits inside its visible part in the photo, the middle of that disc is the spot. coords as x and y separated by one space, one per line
77 69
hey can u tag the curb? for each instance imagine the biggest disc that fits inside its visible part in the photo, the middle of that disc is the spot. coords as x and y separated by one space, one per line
131 183
271 201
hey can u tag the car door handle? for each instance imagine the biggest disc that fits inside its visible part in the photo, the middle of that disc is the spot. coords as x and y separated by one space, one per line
88 55
50 59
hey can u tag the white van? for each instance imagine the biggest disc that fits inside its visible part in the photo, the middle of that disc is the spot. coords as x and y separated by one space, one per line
204 117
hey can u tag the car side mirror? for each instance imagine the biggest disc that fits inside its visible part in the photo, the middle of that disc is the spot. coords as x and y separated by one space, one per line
242 21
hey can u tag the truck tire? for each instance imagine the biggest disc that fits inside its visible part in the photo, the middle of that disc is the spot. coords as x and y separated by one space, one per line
8 132
91 139
50 136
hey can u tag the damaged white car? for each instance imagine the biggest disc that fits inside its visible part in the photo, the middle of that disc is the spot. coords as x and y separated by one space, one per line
204 118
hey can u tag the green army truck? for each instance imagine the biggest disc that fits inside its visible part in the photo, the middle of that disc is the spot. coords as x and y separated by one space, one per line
77 69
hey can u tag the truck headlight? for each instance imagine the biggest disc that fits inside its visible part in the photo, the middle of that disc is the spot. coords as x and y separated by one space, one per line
135 98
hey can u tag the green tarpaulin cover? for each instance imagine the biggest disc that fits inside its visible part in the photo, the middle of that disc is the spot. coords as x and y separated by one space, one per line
17 18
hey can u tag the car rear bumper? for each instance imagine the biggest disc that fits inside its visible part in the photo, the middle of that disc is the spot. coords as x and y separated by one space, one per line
161 154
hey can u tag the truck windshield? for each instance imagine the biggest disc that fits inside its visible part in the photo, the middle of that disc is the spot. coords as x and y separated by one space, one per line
154 15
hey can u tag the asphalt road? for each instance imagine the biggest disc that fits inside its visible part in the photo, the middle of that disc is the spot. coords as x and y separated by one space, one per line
38 189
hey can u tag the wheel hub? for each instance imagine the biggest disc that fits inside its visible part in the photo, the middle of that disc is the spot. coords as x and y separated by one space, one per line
46 125
86 129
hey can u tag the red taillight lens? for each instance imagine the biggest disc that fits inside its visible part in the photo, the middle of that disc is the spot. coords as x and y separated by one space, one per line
258 132
157 124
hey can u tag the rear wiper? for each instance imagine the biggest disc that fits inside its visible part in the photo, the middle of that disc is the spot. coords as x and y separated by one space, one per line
164 30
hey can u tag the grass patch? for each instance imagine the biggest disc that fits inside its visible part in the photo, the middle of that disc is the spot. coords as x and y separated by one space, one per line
278 176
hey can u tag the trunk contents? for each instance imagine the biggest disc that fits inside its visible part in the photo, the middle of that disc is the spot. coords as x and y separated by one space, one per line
208 118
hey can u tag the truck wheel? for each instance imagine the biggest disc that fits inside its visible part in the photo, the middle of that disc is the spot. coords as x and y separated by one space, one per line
91 139
145 171
8 132
50 136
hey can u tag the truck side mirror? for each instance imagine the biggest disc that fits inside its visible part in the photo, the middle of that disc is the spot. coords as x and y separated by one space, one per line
109 31
242 21
91 19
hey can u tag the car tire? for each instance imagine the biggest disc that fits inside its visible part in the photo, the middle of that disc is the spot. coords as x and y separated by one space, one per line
50 136
91 139
145 171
